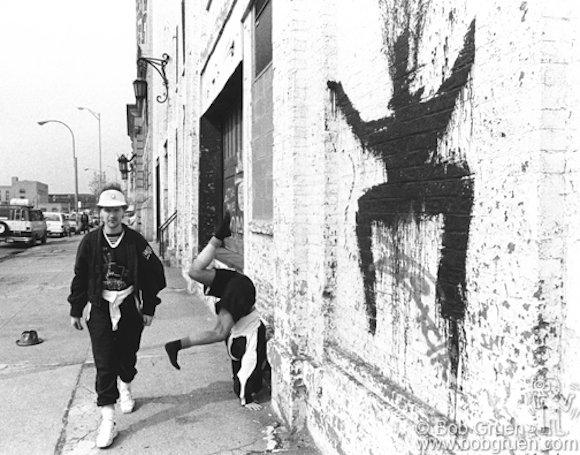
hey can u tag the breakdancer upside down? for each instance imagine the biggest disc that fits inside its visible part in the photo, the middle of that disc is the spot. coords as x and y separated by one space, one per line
238 322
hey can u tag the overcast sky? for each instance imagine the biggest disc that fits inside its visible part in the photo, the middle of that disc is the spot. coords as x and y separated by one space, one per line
57 55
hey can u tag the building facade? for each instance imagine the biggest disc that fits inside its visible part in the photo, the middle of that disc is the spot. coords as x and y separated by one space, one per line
404 179
65 202
35 192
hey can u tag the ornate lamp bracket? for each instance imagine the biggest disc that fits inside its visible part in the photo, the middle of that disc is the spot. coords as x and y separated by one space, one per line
159 65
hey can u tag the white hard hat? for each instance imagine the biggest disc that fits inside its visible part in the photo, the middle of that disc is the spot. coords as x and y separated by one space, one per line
112 198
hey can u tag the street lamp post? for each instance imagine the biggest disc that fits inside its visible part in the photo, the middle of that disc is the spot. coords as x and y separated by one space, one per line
97 115
74 160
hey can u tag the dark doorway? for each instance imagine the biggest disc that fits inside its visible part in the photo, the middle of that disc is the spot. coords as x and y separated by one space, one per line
221 169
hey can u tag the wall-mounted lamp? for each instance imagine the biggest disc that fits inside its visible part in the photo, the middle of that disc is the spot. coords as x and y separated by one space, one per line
140 85
123 165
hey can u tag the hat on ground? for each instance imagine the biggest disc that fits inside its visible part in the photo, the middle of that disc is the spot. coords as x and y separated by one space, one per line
112 198
29 338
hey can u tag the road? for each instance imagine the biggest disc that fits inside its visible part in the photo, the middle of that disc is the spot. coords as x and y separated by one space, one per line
47 390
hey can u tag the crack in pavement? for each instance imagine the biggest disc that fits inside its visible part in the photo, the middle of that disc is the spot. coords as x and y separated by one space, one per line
62 438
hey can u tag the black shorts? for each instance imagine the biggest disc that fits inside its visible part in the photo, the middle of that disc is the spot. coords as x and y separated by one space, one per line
236 292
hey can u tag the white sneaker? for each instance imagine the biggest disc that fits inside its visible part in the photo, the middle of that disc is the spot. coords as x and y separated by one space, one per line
106 434
126 401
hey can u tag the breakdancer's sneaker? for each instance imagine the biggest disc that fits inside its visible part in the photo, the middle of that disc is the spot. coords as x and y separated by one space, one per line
126 401
106 434
223 230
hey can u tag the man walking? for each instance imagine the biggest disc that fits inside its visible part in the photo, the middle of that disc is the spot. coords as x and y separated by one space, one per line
119 276
84 222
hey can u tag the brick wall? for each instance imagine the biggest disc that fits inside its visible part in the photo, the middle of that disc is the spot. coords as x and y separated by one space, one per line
421 260
413 200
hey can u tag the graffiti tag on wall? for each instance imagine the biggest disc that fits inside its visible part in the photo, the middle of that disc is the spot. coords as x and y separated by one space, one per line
420 183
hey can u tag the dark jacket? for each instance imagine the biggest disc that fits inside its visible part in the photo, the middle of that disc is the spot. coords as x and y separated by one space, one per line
144 266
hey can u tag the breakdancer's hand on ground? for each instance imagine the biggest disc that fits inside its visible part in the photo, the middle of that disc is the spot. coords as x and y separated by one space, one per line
253 406
76 323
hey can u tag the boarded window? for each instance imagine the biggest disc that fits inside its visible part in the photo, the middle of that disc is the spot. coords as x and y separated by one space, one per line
262 115
262 36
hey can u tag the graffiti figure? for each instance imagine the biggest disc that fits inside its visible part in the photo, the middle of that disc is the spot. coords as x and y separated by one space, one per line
420 182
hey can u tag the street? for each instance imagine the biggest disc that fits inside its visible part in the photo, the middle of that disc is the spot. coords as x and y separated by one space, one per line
48 400
8 250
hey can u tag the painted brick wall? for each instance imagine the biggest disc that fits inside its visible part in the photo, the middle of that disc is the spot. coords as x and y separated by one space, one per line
422 260
413 254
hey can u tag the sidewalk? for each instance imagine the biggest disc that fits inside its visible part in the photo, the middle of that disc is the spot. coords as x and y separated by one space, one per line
191 411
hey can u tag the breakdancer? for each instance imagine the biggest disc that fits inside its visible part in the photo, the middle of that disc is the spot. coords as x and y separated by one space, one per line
238 322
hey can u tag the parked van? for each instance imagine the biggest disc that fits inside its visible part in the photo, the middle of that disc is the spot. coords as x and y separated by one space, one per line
57 224
20 222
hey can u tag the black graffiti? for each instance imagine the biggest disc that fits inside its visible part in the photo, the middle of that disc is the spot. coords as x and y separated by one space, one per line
420 182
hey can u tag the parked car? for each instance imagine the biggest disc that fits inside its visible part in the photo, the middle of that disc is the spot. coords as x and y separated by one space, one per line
57 224
73 224
20 222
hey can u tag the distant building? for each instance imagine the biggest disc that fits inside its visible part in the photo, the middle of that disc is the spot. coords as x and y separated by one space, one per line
36 192
65 202
5 194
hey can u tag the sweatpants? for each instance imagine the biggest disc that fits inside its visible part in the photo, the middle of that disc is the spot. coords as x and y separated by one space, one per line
114 352
254 383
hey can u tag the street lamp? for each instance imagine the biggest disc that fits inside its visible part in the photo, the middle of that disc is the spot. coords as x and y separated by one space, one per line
123 168
97 115
140 85
44 122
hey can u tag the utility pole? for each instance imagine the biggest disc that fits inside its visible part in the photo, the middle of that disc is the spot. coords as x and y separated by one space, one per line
97 115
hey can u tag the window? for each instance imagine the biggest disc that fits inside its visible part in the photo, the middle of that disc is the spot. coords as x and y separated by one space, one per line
22 191
52 216
15 214
262 120
262 35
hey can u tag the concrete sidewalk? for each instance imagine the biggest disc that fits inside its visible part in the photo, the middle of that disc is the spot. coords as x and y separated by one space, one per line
191 411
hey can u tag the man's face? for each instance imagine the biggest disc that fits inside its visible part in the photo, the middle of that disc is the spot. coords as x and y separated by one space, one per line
112 216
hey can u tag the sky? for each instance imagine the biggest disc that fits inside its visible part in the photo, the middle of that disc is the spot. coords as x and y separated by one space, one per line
57 55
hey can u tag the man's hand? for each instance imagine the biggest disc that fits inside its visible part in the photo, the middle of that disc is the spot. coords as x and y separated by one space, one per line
253 406
147 320
76 323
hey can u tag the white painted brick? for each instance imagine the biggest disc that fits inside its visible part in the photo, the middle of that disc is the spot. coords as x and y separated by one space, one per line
516 126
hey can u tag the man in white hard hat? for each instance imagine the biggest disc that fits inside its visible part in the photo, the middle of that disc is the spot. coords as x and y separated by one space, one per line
118 276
